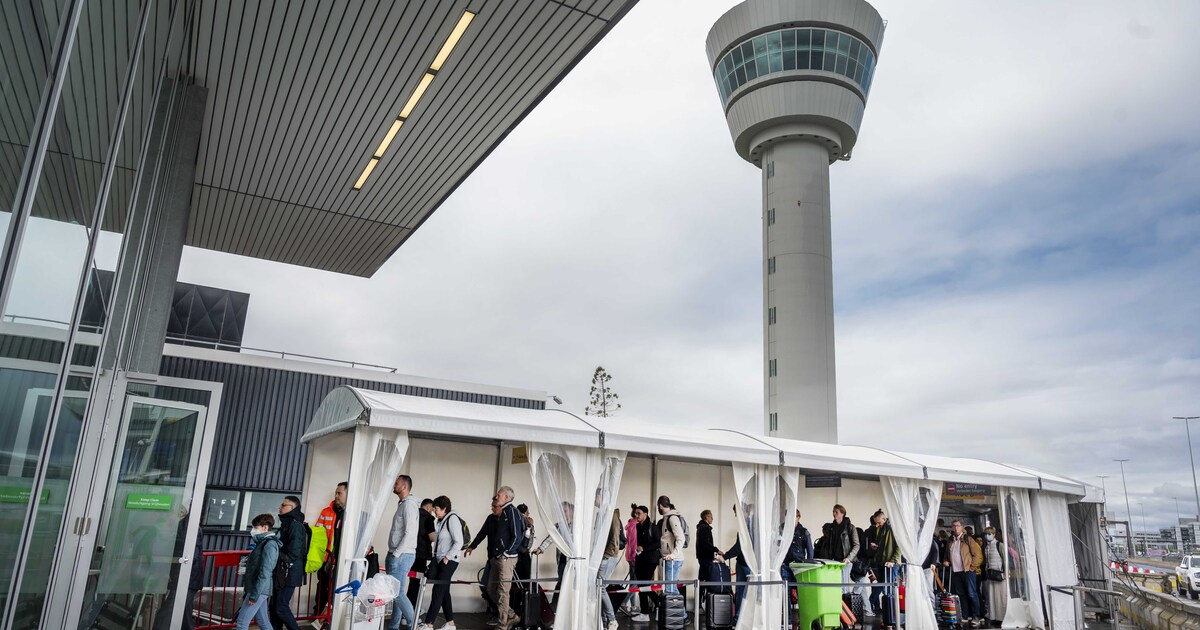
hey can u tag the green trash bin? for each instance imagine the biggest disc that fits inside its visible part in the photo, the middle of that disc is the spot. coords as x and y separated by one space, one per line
818 607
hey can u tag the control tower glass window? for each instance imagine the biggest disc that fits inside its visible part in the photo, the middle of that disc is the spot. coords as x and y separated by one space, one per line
795 49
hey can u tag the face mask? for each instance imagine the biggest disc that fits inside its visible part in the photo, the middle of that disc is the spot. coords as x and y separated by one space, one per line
259 535
989 537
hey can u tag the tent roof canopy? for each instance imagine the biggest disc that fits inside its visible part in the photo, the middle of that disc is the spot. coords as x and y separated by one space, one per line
346 407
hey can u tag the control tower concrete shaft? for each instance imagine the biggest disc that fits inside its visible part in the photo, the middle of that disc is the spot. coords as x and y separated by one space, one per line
793 77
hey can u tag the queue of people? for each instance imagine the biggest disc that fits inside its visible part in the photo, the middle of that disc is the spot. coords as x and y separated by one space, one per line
430 537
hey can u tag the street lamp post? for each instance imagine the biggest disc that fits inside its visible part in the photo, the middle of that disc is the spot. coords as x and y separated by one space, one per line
1196 486
1145 531
1128 511
1104 490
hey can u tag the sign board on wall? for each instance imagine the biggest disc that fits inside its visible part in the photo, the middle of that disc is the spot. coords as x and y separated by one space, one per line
823 481
520 455
967 491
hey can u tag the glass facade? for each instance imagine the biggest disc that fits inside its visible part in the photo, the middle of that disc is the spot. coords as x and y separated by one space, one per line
79 79
795 49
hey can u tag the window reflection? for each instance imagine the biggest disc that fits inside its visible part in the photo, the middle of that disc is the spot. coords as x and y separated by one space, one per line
795 49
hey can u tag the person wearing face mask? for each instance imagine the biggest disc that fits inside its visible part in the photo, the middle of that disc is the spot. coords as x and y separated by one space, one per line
257 581
996 586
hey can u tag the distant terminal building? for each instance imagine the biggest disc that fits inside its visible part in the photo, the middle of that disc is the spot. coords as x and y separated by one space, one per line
793 78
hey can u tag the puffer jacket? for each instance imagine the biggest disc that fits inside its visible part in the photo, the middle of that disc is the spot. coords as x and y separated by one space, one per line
260 565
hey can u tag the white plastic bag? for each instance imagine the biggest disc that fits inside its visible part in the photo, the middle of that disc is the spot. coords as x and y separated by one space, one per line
381 588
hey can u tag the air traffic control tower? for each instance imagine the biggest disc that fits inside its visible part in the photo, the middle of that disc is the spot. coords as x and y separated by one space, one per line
794 76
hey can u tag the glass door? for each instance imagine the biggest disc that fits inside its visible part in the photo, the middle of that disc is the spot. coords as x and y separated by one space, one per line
143 548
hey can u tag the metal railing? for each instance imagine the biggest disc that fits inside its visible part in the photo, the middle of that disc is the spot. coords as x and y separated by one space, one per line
1077 593
217 603
892 587
211 344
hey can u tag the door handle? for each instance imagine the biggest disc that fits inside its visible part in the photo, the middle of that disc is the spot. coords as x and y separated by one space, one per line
185 561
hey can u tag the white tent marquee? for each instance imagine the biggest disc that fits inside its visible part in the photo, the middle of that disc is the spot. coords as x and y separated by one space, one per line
572 460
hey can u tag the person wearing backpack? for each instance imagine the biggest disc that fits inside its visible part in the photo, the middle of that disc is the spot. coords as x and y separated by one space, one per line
289 569
260 564
447 553
673 540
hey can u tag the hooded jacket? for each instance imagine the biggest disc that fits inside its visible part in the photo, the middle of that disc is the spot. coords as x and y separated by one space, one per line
260 565
293 534
706 551
671 540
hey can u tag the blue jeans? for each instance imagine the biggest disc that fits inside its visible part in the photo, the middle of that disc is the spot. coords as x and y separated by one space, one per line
743 575
398 568
606 608
256 611
964 587
672 573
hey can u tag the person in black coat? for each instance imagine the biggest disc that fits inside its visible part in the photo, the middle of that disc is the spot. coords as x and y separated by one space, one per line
424 547
293 533
648 555
706 551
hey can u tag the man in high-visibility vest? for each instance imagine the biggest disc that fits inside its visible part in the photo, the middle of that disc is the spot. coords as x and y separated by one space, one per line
331 519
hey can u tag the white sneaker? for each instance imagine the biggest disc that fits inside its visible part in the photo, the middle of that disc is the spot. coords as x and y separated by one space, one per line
642 618
613 625
449 626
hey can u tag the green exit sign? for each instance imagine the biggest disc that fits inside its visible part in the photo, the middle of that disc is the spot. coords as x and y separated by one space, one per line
10 494
149 502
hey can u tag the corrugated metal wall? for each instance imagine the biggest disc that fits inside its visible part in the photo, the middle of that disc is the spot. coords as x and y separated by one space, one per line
264 412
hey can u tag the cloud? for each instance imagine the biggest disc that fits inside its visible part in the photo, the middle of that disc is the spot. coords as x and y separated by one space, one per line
1015 244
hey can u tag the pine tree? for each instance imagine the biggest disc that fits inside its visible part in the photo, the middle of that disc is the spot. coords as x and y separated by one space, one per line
603 400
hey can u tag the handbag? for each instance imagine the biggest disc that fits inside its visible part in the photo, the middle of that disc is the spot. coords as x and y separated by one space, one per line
995 575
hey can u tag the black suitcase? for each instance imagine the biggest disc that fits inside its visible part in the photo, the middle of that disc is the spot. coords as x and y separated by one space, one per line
535 610
719 610
672 612
720 573
855 602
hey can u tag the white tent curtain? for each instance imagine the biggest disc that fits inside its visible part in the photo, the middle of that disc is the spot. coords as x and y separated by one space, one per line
913 505
378 458
767 497
1024 586
1056 553
576 488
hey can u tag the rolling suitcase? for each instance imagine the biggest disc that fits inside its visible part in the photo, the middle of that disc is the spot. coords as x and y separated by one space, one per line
720 573
536 611
948 604
672 612
718 599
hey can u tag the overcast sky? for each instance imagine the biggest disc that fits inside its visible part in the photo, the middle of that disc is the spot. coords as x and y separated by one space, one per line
1015 245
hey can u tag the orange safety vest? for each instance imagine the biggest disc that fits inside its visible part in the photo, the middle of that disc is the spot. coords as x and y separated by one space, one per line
328 519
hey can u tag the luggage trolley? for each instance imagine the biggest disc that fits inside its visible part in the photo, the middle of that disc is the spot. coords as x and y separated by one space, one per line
361 613
818 608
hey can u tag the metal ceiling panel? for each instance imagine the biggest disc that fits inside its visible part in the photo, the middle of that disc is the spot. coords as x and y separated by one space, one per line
301 92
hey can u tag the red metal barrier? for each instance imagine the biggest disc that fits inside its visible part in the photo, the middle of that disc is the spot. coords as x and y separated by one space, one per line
218 601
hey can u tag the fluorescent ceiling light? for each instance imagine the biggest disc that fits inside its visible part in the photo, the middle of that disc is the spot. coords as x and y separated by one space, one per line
452 41
387 140
417 94
362 179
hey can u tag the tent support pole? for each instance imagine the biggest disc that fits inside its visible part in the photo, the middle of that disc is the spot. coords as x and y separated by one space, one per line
653 480
499 464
